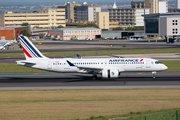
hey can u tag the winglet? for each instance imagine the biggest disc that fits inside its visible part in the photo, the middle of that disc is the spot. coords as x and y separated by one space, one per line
70 64
79 56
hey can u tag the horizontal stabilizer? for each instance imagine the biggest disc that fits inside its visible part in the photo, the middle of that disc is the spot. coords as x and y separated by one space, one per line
26 62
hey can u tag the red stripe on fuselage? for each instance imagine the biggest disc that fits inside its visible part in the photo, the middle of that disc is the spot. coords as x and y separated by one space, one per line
26 52
141 60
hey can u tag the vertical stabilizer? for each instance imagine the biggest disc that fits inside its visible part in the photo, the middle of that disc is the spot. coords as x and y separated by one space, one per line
29 49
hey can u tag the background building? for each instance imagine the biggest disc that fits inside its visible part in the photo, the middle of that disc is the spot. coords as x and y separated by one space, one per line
85 12
163 6
173 10
102 20
163 24
45 18
79 33
128 17
178 4
137 4
125 16
8 33
123 34
69 8
113 25
153 5
138 19
80 12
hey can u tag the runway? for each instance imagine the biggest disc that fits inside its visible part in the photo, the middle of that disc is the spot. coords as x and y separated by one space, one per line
58 46
83 81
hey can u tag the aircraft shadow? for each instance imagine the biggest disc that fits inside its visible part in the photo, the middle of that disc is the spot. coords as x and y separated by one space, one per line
84 79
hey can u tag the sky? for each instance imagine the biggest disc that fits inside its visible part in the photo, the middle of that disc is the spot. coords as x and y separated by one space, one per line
60 2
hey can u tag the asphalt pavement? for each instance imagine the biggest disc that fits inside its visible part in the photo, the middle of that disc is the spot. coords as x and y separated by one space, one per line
69 45
29 81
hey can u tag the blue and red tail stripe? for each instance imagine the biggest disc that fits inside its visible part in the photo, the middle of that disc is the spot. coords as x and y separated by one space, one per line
29 49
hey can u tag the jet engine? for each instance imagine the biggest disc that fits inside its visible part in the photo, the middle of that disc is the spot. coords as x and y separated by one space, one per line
110 73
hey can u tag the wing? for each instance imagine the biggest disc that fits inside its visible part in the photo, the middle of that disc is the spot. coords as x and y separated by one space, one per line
93 68
84 67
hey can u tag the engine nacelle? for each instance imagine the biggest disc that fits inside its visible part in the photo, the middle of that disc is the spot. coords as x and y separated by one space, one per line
110 73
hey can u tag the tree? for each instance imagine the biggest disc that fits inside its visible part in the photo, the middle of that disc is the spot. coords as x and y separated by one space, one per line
134 28
53 27
129 28
41 35
118 28
89 24
36 27
25 33
24 24
60 26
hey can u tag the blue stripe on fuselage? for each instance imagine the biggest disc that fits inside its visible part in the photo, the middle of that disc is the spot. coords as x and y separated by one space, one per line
4 44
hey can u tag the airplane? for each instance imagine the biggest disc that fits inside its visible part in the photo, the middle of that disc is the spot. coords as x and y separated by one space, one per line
4 45
7 43
107 67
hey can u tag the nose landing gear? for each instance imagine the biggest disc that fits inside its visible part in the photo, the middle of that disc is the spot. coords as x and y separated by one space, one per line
153 74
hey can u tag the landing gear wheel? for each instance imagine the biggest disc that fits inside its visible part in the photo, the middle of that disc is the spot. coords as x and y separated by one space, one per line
94 77
153 74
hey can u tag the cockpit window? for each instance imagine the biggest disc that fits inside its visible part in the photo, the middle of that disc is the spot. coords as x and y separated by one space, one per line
158 62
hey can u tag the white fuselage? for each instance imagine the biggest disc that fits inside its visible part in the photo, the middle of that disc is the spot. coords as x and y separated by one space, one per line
107 67
121 64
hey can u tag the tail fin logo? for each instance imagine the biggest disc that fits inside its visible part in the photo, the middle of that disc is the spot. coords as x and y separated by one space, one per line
29 49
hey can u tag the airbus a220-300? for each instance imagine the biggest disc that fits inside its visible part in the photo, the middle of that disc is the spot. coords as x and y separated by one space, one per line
107 67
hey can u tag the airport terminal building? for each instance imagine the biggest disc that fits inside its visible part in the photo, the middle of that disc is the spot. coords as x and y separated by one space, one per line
163 24
78 33
9 32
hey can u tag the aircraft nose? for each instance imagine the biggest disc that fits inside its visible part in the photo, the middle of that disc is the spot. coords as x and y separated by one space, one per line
165 67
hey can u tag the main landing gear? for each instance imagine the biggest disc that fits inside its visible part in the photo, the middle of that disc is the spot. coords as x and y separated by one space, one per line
153 74
94 77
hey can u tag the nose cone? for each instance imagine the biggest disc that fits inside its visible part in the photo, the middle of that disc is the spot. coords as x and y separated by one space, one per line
164 67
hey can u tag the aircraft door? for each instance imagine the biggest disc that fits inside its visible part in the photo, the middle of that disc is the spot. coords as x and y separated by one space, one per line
148 64
49 65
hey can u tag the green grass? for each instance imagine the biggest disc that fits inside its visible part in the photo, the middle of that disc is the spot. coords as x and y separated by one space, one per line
87 104
99 52
17 69
166 114
173 65
154 115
